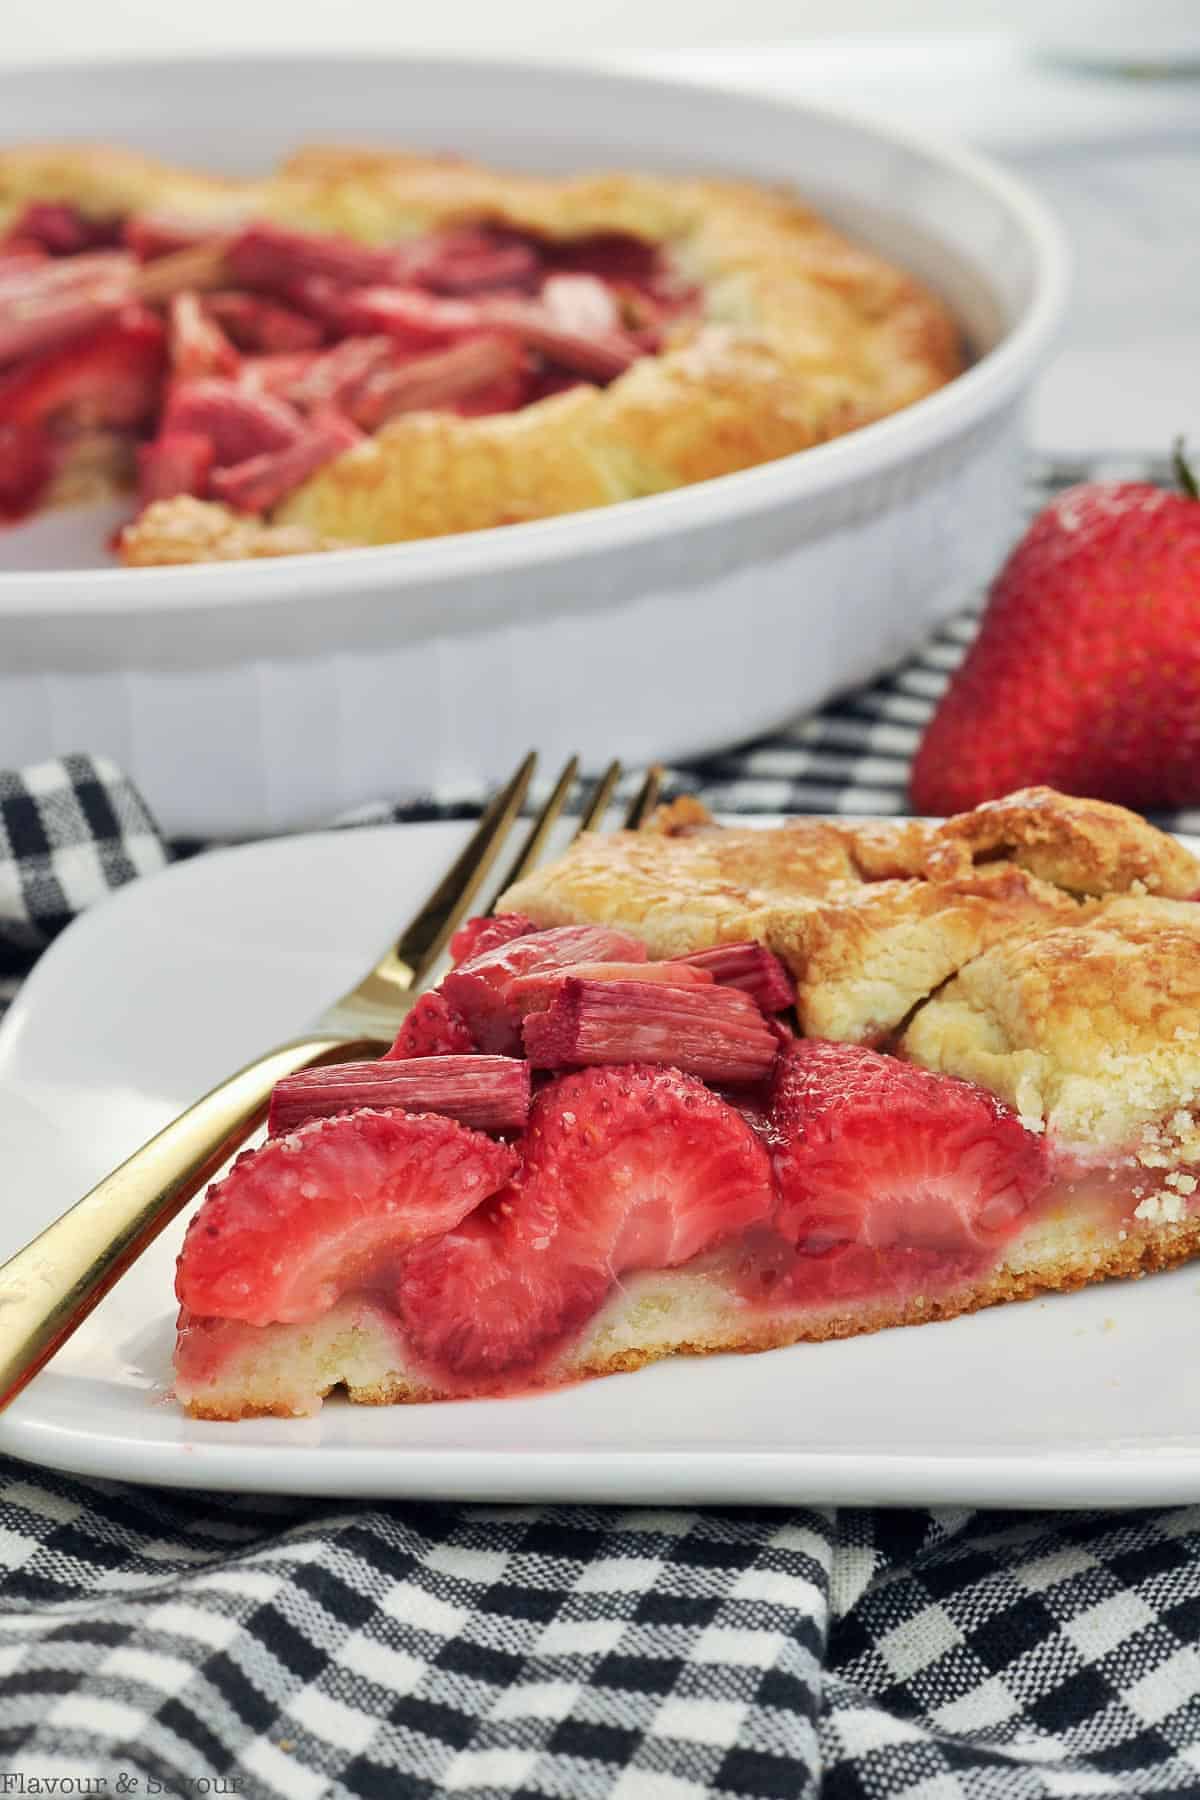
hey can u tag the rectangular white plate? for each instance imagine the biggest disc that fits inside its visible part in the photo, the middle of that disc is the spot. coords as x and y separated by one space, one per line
1083 1400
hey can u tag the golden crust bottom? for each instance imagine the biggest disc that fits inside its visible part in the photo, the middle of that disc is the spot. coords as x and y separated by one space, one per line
675 1313
804 336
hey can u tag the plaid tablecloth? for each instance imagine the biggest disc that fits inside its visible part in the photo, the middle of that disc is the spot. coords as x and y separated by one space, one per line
179 1644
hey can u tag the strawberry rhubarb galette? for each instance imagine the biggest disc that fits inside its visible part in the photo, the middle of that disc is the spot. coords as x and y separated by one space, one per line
365 348
601 1141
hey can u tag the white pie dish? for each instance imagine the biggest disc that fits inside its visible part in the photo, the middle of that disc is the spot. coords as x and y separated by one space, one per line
240 948
257 696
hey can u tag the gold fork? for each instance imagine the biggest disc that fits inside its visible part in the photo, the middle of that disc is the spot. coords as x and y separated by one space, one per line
48 1288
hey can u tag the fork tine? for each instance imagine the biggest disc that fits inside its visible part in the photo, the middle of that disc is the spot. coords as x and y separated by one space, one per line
598 801
645 800
426 936
535 837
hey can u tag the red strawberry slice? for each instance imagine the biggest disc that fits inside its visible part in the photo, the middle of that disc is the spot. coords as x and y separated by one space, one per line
26 465
625 1168
263 326
432 1028
110 378
63 230
240 423
479 987
329 1208
1086 669
261 482
869 1150
486 932
179 462
196 344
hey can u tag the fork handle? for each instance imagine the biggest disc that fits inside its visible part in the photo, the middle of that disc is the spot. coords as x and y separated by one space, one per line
48 1288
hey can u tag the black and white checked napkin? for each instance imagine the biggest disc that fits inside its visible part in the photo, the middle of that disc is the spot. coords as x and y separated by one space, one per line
178 1644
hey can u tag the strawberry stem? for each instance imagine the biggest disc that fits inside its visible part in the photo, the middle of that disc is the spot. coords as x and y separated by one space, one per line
1184 473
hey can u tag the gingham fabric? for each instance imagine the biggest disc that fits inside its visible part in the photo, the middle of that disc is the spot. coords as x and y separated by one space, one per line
180 1644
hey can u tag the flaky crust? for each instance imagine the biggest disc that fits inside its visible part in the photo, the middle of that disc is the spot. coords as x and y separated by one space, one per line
1093 1028
804 336
871 919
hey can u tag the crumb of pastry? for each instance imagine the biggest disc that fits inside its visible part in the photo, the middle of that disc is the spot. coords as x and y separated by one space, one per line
185 530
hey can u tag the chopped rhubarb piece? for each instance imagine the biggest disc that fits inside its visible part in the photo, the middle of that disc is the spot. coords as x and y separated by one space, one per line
612 255
485 932
200 268
150 235
98 274
478 988
43 307
534 993
63 229
261 325
432 1028
241 424
26 465
196 344
271 257
20 253
178 462
488 1093
714 1032
331 1206
624 1169
751 967
111 378
433 382
413 319
277 375
470 261
581 303
56 322
261 482
333 376
872 1151
600 356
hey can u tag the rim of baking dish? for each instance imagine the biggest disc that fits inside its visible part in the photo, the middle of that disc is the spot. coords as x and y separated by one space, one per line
803 475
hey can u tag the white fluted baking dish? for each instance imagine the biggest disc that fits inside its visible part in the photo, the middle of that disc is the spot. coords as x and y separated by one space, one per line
256 696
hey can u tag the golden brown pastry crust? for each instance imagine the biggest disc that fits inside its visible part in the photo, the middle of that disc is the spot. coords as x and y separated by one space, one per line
871 919
1093 1028
804 336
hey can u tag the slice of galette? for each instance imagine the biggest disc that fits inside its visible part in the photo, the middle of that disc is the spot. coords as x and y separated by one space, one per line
582 1154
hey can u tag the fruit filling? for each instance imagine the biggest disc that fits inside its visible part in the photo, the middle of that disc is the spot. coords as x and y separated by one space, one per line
565 1117
238 362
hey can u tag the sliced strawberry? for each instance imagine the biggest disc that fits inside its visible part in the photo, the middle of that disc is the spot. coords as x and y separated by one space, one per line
328 1208
716 1033
178 462
486 932
261 482
63 230
26 465
625 1168
263 326
750 967
488 1093
110 378
196 344
478 988
872 1151
240 423
432 1028
271 257
432 383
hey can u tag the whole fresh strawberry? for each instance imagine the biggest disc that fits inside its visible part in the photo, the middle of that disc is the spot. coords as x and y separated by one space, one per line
1085 674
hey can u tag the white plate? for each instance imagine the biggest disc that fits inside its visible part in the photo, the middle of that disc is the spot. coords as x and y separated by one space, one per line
1071 1401
339 677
